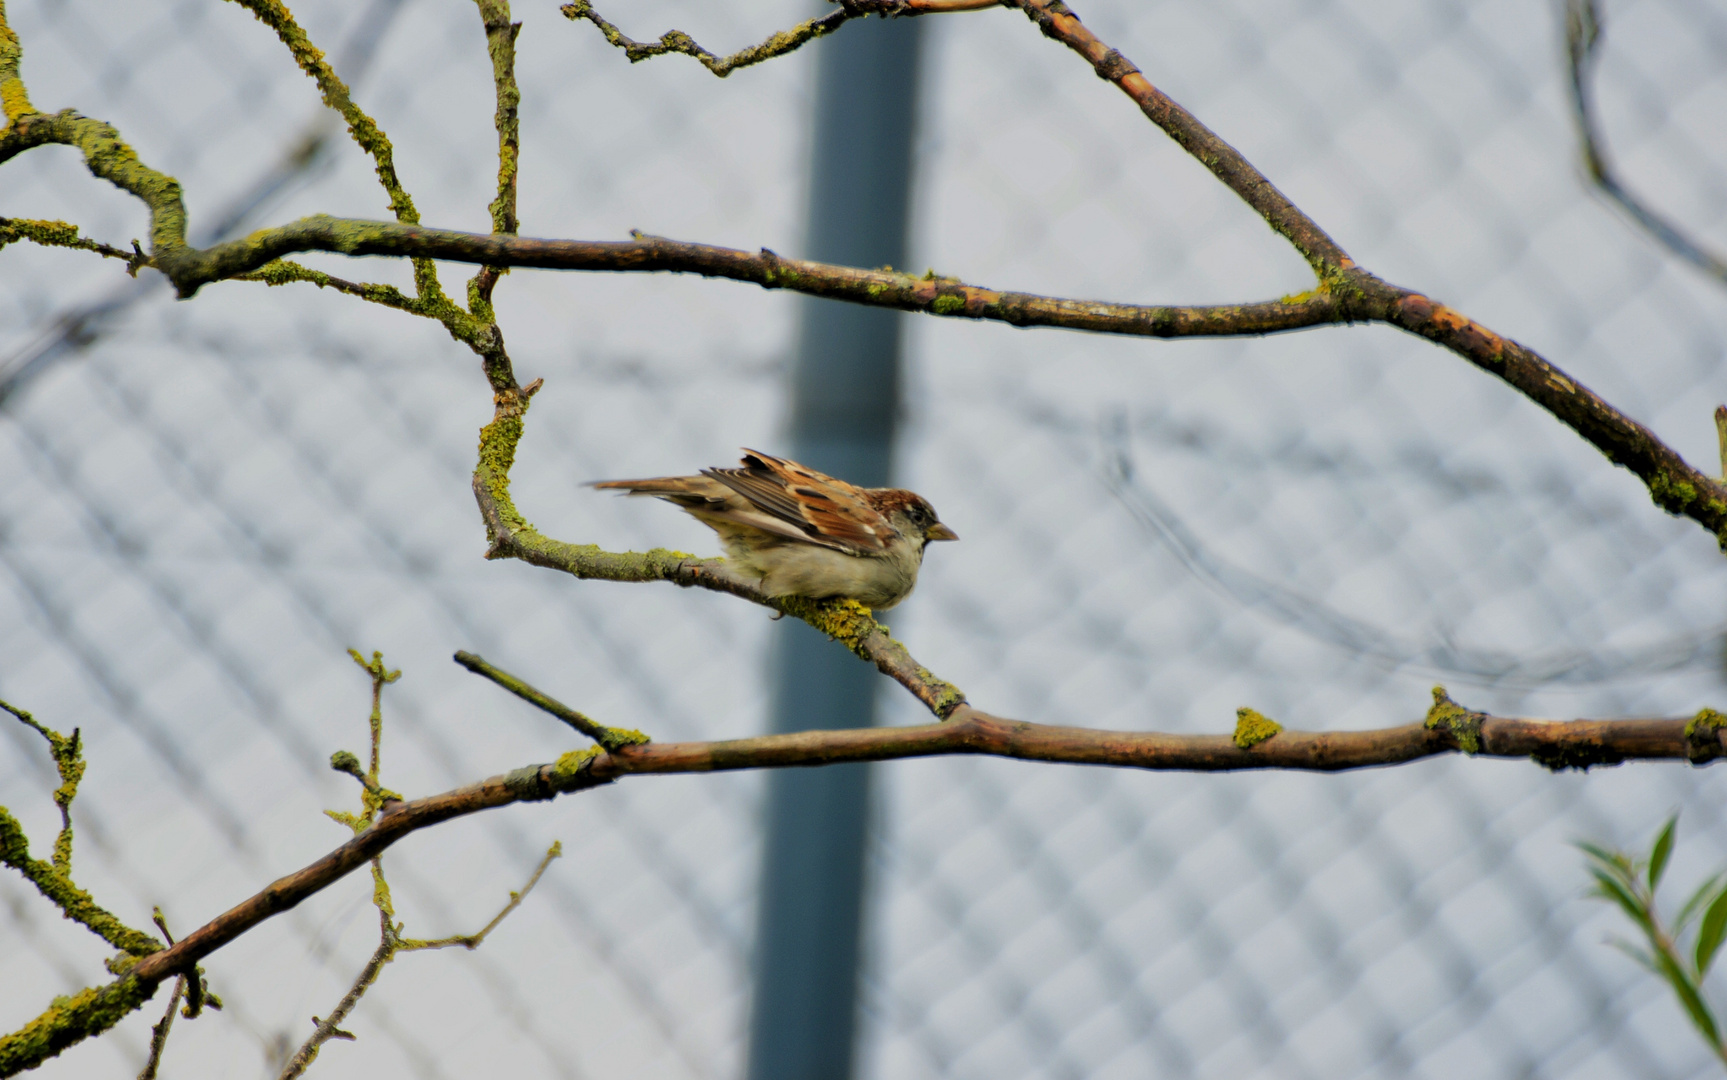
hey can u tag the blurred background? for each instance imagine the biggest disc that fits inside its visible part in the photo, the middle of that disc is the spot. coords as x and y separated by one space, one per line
204 504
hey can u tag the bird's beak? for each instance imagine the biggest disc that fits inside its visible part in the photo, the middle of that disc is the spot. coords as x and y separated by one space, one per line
938 531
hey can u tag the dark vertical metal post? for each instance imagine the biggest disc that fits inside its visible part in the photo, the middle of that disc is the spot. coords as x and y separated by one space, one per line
845 397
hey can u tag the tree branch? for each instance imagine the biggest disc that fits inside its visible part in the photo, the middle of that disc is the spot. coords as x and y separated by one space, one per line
53 879
1583 30
676 41
65 234
1345 294
1448 728
501 46
777 44
1059 23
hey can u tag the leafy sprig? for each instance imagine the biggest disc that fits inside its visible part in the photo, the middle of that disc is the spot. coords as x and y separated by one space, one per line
1681 952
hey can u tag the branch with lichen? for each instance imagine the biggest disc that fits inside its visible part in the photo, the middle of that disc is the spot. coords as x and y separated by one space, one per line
777 44
1352 296
1256 743
501 36
1345 292
53 877
64 234
676 41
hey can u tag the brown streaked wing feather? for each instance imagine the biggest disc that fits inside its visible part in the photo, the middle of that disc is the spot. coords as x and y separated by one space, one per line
766 493
828 511
837 509
684 490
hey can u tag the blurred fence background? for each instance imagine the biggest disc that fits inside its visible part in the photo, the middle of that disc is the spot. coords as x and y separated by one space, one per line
204 504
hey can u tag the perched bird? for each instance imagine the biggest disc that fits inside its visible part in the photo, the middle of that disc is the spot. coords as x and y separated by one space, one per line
806 534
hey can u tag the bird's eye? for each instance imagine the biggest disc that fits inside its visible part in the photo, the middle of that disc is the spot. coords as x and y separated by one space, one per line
917 515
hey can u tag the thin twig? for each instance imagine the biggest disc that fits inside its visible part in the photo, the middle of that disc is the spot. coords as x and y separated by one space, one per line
777 44
1583 37
330 1027
501 45
64 234
676 41
159 1031
608 737
473 941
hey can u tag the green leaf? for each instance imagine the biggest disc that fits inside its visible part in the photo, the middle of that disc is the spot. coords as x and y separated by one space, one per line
1611 888
1659 854
1614 861
1690 997
1642 956
1709 935
1699 899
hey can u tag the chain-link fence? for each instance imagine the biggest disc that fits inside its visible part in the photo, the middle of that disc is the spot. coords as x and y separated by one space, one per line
204 504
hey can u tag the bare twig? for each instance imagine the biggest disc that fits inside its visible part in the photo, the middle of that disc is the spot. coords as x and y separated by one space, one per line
676 41
1583 36
1447 729
330 1026
159 1032
1059 23
608 737
474 940
778 43
391 943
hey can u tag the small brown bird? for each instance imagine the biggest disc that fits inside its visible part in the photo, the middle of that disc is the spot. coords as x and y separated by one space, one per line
804 533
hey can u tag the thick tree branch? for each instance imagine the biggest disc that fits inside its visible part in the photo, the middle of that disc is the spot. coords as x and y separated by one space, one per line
1345 294
1447 728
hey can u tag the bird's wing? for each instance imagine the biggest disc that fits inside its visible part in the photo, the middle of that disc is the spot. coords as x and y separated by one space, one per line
822 509
713 501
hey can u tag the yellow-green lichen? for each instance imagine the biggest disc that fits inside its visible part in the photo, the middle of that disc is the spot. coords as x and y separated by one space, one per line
946 698
46 233
947 304
571 765
1671 495
1464 725
1703 735
846 621
497 456
616 738
1253 727
70 1020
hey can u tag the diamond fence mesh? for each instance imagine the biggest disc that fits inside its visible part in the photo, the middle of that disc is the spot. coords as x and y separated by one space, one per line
208 502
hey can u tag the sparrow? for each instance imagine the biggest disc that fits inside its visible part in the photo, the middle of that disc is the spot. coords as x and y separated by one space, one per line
804 533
